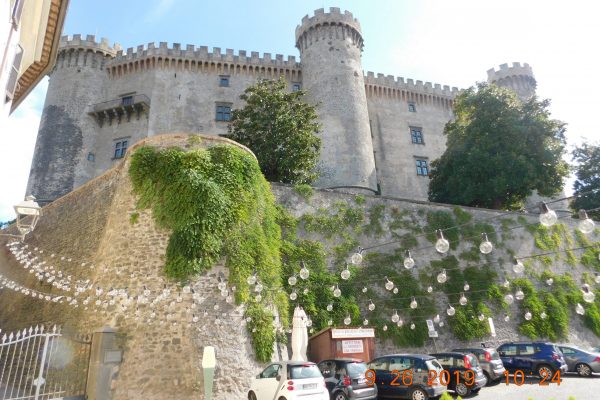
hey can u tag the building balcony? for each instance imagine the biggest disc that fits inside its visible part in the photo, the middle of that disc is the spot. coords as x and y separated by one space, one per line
118 109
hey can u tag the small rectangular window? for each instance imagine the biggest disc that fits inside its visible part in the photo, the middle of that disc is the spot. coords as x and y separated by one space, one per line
422 168
13 76
91 157
127 100
416 135
16 12
296 86
224 80
120 148
223 113
412 107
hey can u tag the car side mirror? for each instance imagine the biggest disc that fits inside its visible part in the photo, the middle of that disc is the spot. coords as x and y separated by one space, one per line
278 377
258 376
502 354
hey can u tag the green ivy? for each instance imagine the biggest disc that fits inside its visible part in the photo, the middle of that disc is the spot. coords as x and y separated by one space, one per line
374 227
217 205
304 190
442 220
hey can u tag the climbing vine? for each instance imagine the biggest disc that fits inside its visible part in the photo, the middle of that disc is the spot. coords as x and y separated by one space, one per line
217 205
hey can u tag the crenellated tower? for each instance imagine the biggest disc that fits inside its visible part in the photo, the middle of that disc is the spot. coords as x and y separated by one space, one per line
77 80
519 78
330 47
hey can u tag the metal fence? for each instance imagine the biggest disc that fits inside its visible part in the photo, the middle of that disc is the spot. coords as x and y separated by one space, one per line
37 363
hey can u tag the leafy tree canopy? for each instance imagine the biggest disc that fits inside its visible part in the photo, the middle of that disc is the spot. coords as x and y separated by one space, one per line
499 150
281 129
587 183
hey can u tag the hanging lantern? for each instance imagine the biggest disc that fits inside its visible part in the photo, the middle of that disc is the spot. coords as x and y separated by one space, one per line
486 246
441 245
357 257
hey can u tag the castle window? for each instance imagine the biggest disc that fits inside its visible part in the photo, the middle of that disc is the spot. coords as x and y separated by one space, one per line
412 107
416 135
120 148
296 86
127 100
422 168
224 80
223 112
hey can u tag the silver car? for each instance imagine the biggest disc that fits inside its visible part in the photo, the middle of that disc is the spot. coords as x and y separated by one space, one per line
581 361
489 360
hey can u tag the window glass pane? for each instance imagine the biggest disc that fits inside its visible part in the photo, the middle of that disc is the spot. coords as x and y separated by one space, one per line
304 371
356 368
380 364
526 349
509 350
399 363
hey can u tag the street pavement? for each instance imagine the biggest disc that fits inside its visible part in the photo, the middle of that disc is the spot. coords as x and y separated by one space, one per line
571 387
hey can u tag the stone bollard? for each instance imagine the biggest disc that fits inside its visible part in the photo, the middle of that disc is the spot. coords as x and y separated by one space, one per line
209 362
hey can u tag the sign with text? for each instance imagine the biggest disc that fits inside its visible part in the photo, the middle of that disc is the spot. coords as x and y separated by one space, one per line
352 346
352 333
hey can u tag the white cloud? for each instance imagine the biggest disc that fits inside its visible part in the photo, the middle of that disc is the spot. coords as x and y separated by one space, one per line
158 10
17 141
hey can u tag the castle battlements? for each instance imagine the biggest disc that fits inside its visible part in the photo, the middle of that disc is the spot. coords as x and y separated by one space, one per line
90 42
201 53
333 18
505 71
410 85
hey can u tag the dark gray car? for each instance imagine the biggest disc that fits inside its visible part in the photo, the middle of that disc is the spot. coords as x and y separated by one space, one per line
489 360
345 379
581 361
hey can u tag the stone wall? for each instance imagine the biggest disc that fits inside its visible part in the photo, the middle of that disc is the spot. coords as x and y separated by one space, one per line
514 242
98 224
93 224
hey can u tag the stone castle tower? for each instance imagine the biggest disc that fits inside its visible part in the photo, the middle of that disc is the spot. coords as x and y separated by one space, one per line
519 78
330 47
78 79
378 131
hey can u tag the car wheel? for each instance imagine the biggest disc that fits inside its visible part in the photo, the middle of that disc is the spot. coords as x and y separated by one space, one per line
340 396
545 371
461 389
487 378
251 396
418 394
583 370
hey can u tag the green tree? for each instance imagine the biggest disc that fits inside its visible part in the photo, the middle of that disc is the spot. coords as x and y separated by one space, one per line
281 129
499 149
587 183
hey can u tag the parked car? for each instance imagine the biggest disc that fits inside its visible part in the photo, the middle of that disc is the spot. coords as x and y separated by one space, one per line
489 360
289 380
581 361
390 370
345 379
459 379
541 358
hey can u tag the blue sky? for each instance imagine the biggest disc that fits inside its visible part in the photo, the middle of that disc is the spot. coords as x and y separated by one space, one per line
449 42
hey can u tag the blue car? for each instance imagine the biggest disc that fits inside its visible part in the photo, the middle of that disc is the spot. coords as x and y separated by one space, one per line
541 358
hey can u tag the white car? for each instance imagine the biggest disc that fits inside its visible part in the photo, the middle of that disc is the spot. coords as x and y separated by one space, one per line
288 380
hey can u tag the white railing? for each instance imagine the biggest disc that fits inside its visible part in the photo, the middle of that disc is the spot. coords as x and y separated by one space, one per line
40 364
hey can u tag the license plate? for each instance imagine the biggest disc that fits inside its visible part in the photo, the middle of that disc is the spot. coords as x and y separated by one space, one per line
361 381
310 386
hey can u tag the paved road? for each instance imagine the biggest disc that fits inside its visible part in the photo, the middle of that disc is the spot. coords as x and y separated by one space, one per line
571 385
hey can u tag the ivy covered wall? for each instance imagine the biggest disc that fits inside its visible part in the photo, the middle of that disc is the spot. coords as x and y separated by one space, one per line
333 225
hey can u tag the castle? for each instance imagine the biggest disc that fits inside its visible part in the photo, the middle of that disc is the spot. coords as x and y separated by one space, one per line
378 132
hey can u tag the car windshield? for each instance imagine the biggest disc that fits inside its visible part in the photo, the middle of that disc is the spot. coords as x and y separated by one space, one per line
356 368
304 371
